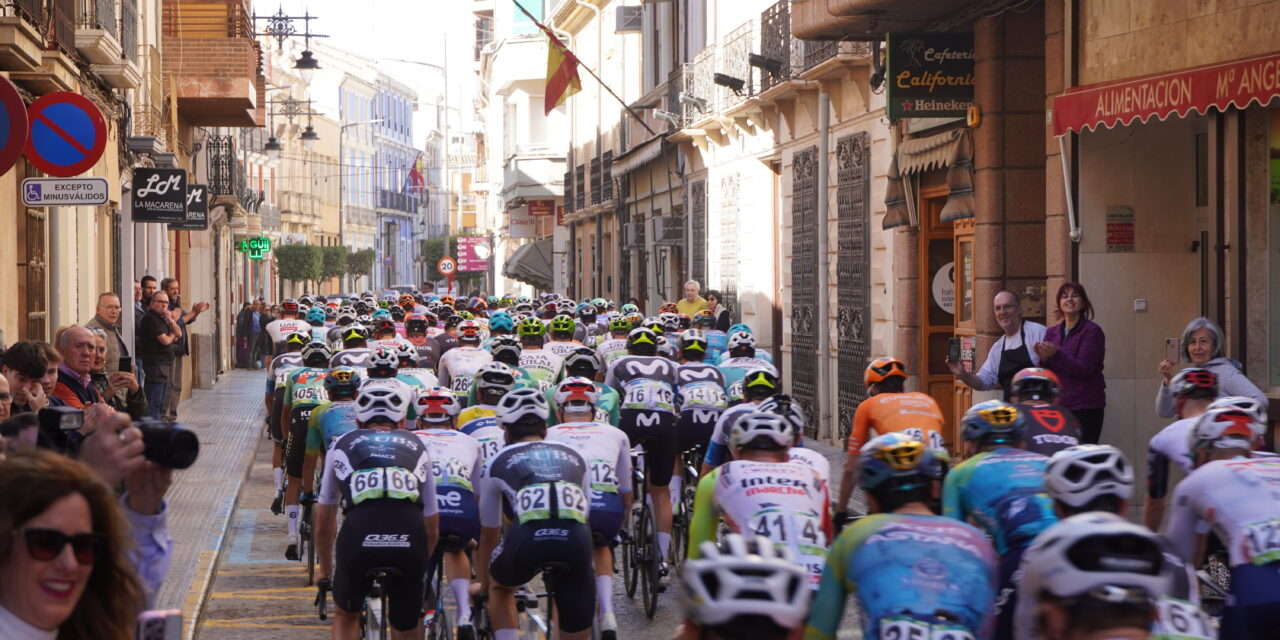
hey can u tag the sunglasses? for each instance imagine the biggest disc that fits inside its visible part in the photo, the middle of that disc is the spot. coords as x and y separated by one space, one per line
46 545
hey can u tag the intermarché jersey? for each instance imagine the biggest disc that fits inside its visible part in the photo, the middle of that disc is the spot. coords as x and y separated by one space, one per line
785 502
1238 500
536 481
606 449
645 382
1003 492
903 569
915 414
367 466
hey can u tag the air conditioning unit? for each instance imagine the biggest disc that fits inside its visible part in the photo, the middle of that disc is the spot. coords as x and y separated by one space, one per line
632 235
668 231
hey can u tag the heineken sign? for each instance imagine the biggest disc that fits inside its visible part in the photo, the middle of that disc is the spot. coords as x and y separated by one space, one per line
930 75
255 247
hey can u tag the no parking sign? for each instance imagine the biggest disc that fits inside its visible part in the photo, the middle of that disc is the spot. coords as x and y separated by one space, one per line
68 134
14 125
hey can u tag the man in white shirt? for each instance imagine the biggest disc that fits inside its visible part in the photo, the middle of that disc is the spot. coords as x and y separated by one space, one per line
1013 352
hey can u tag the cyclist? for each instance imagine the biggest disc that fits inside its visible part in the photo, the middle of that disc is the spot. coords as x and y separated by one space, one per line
458 367
1050 428
408 369
700 397
448 338
337 414
762 492
646 383
562 343
745 588
417 331
758 385
1193 391
542 364
1230 493
1095 575
287 324
784 405
582 363
383 371
543 485
491 382
303 392
317 319
915 574
588 328
277 370
456 461
607 452
614 345
742 357
381 475
743 328
355 348
501 325
345 317
889 408
1001 489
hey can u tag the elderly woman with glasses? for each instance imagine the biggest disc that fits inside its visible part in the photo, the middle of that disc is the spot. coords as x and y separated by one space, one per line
64 572
120 389
1201 346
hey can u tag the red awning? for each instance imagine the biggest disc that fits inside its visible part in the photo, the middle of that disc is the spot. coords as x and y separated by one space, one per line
1220 86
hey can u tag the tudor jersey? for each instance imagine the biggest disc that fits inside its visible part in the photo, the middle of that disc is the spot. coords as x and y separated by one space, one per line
785 502
1003 492
1049 429
535 481
1239 499
700 387
914 414
645 382
456 458
371 467
897 564
606 449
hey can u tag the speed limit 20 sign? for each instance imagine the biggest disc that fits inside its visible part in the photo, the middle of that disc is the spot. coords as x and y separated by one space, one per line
446 266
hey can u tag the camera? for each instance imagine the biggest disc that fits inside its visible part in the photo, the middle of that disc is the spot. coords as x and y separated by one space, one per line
167 445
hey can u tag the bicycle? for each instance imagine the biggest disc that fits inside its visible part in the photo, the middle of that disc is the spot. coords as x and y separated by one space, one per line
306 534
682 512
640 562
437 621
374 623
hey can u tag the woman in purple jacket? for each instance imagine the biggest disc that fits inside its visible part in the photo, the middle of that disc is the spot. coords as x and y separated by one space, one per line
1074 349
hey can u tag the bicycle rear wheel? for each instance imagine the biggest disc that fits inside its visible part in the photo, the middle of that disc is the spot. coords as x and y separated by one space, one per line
308 539
647 565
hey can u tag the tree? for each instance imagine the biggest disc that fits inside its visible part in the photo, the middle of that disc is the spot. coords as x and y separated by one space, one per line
359 263
299 262
333 262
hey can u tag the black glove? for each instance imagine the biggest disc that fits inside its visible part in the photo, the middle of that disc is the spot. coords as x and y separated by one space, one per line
841 519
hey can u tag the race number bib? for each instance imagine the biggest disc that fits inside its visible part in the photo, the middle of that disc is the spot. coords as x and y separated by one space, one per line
703 395
534 502
648 395
910 629
490 448
1262 541
931 439
307 394
396 483
603 476
781 527
1181 620
460 384
451 472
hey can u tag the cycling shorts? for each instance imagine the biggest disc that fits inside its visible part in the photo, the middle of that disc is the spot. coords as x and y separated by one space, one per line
1255 614
379 535
696 426
273 420
526 547
1010 575
459 513
656 432
295 446
605 517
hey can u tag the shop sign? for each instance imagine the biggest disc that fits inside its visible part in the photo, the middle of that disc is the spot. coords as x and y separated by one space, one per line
159 195
521 224
930 75
542 207
944 287
257 248
473 253
197 210
1120 235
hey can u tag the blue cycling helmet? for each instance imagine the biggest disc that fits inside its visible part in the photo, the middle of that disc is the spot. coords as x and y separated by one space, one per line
342 382
381 313
898 461
316 316
996 421
501 321
741 326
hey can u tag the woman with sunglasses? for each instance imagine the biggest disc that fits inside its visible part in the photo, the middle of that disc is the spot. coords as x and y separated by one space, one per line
63 569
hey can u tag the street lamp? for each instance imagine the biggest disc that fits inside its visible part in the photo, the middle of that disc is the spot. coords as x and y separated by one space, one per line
309 137
307 66
272 147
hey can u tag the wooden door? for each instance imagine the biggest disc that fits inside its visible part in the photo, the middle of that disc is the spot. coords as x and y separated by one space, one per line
937 304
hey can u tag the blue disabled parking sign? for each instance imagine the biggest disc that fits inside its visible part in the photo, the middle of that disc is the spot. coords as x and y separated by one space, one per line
68 134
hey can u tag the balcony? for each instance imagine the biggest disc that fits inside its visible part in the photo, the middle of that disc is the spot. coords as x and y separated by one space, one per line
396 201
533 178
46 68
122 69
785 53
216 63
97 32
869 19
21 35
738 46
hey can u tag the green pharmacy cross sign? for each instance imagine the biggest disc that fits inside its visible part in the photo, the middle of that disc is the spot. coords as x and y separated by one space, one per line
255 247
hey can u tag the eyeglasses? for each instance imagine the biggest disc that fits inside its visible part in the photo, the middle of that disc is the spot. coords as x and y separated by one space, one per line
46 545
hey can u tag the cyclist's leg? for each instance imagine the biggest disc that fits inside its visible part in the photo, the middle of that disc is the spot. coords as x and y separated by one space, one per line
574 594
606 520
274 408
1254 613
1007 596
661 451
460 517
349 583
294 457
514 564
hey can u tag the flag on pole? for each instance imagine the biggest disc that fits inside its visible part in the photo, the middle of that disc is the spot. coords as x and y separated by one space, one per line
415 182
562 67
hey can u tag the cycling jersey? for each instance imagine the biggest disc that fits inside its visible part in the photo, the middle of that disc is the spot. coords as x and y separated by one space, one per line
646 383
813 459
717 345
611 349
357 357
278 330
786 502
329 421
1002 491
426 350
395 344
1169 445
607 451
1050 428
718 448
700 387
367 467
542 365
562 349
606 408
760 353
913 413
280 365
523 381
303 392
458 367
477 416
904 570
1237 499
735 369
417 377
444 343
456 461
492 439
579 332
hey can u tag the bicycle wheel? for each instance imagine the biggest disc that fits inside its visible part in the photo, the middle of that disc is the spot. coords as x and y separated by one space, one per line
441 627
307 538
384 625
630 572
647 565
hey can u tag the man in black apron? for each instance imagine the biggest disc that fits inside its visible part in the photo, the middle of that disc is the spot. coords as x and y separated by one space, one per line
1010 354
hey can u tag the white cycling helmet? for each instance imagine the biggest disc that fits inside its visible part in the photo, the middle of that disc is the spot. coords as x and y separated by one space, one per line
787 407
495 375
384 356
742 578
1099 554
1077 475
762 424
1226 428
741 339
522 403
437 404
381 401
577 389
1242 403
406 352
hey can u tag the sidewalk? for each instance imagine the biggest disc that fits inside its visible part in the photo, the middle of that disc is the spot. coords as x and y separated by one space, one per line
228 419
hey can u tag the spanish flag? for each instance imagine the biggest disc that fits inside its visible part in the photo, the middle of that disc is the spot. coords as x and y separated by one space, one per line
562 73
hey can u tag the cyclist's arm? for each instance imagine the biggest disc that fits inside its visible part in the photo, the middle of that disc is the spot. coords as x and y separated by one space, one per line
442 373
490 526
1180 528
952 493
1157 488
622 468
834 589
705 514
327 516
315 440
717 449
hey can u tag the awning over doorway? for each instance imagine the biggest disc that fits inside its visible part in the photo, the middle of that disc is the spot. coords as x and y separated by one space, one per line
1219 86
531 264
638 155
952 150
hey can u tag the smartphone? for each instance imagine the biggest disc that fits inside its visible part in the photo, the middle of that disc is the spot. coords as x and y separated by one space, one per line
1171 350
953 354
126 364
160 624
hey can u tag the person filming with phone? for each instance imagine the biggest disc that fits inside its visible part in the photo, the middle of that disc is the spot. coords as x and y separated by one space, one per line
1201 346
1012 352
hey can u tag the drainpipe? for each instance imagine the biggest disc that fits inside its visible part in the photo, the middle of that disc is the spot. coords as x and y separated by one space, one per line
825 376
55 270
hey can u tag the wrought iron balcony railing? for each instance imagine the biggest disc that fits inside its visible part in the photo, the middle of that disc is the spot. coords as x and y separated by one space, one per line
733 62
580 185
129 28
225 173
62 15
818 51
98 14
784 53
606 186
595 181
30 10
208 19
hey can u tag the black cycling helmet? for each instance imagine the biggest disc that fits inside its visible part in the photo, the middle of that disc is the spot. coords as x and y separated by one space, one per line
506 350
295 341
693 344
354 335
760 382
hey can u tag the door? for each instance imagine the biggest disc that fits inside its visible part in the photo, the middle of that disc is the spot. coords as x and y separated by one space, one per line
853 271
964 324
937 303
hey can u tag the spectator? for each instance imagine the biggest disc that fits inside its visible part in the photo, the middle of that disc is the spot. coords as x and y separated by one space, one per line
691 303
59 523
107 318
24 365
120 389
245 320
1013 352
20 432
156 338
182 348
148 284
720 311
53 360
79 349
1075 349
1201 346
6 399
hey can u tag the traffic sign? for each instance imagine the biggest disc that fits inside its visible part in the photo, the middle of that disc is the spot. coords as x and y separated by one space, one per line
14 125
447 266
68 134
64 192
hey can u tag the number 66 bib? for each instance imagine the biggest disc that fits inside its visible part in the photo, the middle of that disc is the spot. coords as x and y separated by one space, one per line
396 483
534 502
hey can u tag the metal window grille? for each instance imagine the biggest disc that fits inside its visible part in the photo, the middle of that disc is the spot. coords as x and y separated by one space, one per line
853 269
698 222
595 180
129 29
580 186
99 14
222 175
819 51
30 10
729 266
804 282
62 15
606 188
568 188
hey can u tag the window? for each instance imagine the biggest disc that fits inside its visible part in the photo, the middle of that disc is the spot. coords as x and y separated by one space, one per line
521 22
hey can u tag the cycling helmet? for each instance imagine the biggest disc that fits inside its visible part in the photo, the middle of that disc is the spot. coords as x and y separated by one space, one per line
587 311
354 333
741 340
762 424
415 323
600 304
1077 475
1036 383
882 369
383 362
668 307
437 404
572 391
566 306
1225 428
342 382
785 406
453 320
693 340
346 316
996 420
316 354
397 313
466 315
654 324
407 302
501 321
289 306
495 375
760 381
306 300
670 322
381 313
745 578
582 359
620 325
381 401
667 349
900 459
315 316
1243 403
297 340
1101 555
406 354
364 319
520 404
562 324
531 328
469 332
1194 381
446 300
629 308
330 313
493 301
505 349
384 324
641 338
704 319
683 321
741 326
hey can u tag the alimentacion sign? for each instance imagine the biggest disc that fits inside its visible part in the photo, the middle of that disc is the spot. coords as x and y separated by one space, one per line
930 75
